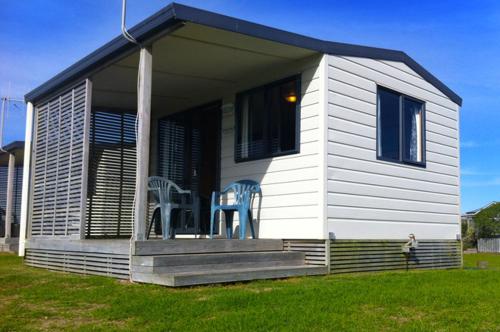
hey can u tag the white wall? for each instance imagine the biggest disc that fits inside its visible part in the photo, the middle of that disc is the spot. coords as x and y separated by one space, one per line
291 203
373 199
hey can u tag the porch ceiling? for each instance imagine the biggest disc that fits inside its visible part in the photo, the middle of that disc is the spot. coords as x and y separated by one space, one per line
17 148
193 65
4 158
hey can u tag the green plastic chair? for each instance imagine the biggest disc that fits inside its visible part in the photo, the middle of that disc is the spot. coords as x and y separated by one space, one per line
163 191
244 194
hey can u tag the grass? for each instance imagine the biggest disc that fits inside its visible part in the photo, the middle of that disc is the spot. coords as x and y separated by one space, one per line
453 300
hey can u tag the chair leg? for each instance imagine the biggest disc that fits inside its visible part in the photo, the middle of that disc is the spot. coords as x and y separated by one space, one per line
174 215
166 212
229 223
243 214
212 223
150 225
164 229
196 217
250 221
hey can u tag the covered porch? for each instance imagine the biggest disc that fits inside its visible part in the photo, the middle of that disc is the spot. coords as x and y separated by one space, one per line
180 94
11 185
166 108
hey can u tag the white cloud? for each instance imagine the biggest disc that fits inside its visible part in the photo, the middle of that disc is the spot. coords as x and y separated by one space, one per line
472 171
469 171
475 144
482 183
469 144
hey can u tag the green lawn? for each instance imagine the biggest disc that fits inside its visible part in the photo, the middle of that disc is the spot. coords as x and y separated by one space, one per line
455 300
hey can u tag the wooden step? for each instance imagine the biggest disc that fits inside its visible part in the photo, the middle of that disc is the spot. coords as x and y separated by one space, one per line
229 275
217 261
9 245
203 246
9 248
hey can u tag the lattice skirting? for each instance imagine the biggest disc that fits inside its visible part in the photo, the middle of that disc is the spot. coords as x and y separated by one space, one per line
315 250
377 255
103 264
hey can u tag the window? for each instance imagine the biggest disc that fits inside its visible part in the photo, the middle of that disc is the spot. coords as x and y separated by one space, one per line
267 120
401 128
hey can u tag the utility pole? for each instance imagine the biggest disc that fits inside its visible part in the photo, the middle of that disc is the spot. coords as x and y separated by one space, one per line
6 100
10 169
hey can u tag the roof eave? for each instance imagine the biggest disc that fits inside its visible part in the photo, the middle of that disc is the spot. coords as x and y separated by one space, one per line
176 13
219 21
119 45
13 146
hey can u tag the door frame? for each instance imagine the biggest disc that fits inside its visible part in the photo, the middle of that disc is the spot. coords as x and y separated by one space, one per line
216 105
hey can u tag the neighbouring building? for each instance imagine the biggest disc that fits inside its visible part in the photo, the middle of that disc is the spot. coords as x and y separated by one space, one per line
11 180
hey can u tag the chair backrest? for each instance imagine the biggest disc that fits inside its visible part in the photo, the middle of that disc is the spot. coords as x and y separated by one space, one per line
162 189
244 191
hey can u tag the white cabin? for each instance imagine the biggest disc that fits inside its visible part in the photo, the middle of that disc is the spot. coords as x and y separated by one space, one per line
355 148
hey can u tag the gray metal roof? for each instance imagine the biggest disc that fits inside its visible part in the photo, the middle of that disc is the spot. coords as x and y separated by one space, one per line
15 145
175 14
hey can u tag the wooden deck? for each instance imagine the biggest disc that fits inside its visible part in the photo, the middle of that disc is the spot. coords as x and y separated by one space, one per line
184 262
179 262
98 257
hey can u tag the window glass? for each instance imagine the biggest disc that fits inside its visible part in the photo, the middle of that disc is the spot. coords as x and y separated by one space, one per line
401 128
252 127
388 104
267 121
412 115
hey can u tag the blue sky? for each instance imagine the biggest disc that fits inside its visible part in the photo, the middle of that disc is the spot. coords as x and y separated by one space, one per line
459 42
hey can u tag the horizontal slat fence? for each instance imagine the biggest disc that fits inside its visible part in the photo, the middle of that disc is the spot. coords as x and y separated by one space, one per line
18 180
3 198
3 187
111 180
378 255
18 191
103 264
489 245
314 250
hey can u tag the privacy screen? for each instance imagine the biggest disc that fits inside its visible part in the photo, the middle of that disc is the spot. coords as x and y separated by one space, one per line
58 164
112 168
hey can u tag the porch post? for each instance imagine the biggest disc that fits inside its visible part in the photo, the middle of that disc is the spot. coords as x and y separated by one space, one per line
26 178
144 122
10 195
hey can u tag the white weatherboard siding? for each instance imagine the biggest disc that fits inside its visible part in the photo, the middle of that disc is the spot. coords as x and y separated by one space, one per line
372 199
291 204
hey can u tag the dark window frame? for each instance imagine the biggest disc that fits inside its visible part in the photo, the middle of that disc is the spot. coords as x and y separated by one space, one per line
402 144
238 104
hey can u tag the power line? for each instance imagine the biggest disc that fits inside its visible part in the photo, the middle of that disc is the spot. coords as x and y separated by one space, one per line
5 108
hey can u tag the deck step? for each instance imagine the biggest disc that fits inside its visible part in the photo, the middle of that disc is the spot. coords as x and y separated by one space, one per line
9 245
13 248
217 261
228 275
202 246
